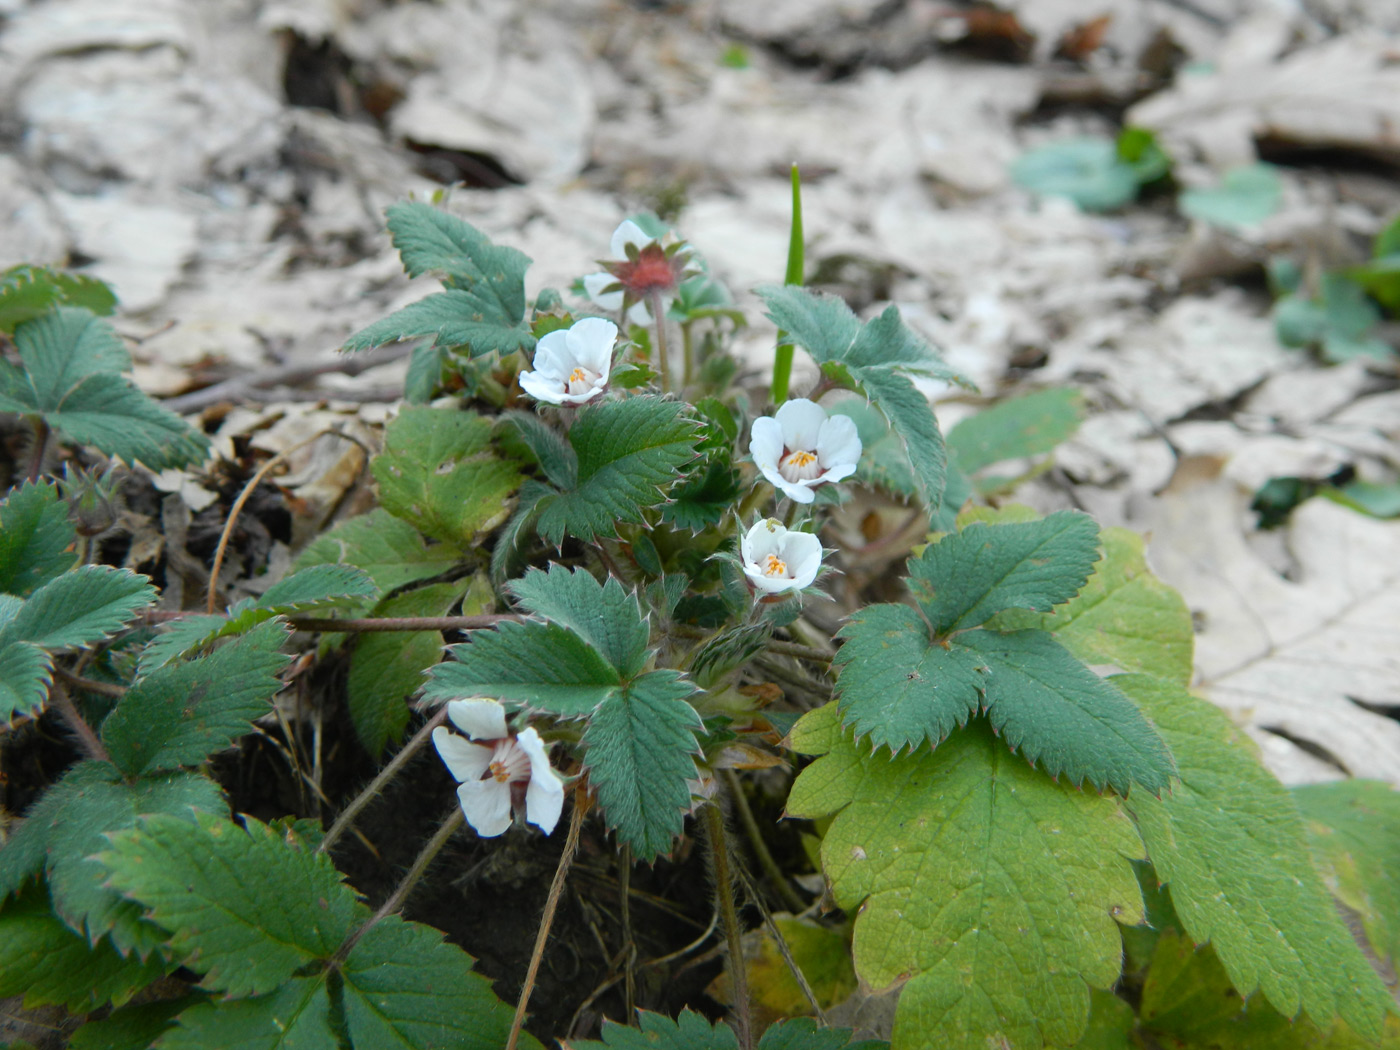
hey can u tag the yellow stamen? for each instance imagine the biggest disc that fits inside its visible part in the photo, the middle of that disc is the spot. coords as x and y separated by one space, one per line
578 375
801 459
774 567
499 771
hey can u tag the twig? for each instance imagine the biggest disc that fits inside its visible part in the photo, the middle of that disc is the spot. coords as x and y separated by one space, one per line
778 939
89 685
92 746
556 890
724 894
388 773
288 375
735 791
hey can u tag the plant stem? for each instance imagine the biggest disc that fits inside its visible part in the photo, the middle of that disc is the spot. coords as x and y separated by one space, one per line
402 890
399 623
782 356
350 812
551 905
658 314
724 894
63 704
87 685
770 867
687 356
41 447
629 950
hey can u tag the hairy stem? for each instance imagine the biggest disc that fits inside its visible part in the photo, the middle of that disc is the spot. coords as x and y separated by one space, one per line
63 704
363 799
658 314
551 905
722 862
41 447
790 896
687 356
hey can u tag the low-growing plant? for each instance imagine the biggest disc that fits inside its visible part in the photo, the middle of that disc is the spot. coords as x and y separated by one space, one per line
1042 837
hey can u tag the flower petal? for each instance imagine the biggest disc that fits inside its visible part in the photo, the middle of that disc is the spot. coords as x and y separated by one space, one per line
628 232
542 388
544 798
486 805
838 445
554 357
801 421
804 557
591 342
594 283
464 760
480 719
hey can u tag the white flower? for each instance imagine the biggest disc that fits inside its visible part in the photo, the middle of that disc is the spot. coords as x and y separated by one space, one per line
628 233
572 365
498 771
800 448
777 560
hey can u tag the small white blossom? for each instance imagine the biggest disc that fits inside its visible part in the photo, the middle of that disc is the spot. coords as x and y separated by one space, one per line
572 365
777 560
497 771
800 447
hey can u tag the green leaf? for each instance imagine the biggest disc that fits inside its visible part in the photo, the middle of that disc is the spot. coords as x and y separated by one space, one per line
1124 616
639 748
912 419
689 1031
24 677
27 292
391 550
297 1016
60 350
604 615
81 607
511 542
1231 845
702 499
1111 1020
1016 428
245 936
1245 197
452 318
538 665
1381 276
430 240
46 962
131 1027
969 576
1339 321
179 714
546 447
387 667
1088 171
1380 500
316 587
988 889
439 473
628 451
1354 828
35 537
1140 148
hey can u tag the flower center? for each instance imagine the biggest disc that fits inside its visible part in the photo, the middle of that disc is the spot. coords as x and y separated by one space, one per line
509 763
581 380
799 465
775 566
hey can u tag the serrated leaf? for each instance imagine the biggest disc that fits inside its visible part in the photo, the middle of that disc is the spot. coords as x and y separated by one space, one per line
912 419
988 889
24 677
1354 828
297 1016
1124 616
46 962
549 449
702 499
639 748
430 240
387 667
81 607
317 586
689 1031
28 292
538 665
1017 427
727 651
245 936
35 537
179 714
628 451
1230 845
69 824
391 550
509 549
452 318
439 473
971 575
131 1027
603 614
60 350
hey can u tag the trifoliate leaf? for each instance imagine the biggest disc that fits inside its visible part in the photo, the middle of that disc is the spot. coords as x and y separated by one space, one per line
546 446
297 1015
985 886
391 550
245 936
1245 197
81 607
387 667
35 537
430 240
1089 171
69 824
1124 616
971 575
1016 428
179 714
628 451
639 748
1231 846
1354 828
536 665
27 292
439 473
24 677
46 962
604 615
702 499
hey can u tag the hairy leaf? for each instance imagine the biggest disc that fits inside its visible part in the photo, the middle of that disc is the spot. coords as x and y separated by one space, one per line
81 607
1017 427
509 550
702 499
969 576
179 714
1231 846
989 889
131 1027
35 537
639 748
1089 171
628 451
295 1016
452 318
690 1031
61 349
27 292
604 615
538 665
912 419
548 448
24 677
439 473
388 548
431 240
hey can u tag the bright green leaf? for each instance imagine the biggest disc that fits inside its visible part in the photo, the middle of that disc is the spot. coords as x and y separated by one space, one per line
604 615
27 292
1231 846
1245 197
35 537
1088 171
179 714
81 607
439 473
1110 1022
391 550
1017 427
987 888
639 748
